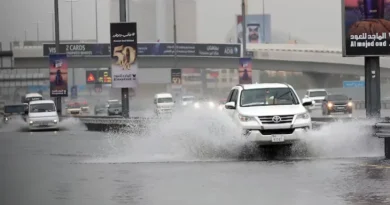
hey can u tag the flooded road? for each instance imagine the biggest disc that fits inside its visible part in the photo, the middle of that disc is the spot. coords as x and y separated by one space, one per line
180 163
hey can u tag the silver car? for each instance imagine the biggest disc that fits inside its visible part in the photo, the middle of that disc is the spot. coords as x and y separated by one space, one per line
114 109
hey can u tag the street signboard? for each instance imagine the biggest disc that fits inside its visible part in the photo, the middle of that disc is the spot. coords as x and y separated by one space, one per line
353 84
101 76
148 49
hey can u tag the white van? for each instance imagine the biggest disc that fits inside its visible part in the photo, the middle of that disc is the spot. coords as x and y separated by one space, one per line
42 115
163 103
32 97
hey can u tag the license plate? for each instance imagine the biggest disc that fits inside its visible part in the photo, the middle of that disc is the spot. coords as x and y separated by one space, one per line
277 138
43 124
340 108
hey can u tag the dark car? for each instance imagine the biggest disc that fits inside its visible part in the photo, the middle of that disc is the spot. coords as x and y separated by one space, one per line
100 108
114 109
336 103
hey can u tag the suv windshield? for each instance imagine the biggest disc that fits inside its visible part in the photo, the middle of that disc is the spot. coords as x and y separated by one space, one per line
44 107
318 93
164 100
188 99
338 97
268 96
115 105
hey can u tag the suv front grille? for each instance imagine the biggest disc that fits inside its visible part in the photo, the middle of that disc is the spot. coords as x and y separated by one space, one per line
277 132
284 119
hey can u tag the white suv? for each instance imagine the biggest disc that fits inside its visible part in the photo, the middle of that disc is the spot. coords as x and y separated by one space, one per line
268 113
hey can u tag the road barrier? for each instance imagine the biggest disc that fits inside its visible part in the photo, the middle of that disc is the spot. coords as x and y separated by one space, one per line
360 104
382 130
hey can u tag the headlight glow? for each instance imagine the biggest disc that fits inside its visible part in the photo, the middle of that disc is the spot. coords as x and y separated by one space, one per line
55 121
303 116
184 103
350 104
330 105
196 105
245 118
211 104
31 122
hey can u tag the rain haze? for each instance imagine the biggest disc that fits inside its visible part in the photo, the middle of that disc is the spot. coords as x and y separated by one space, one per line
120 113
310 21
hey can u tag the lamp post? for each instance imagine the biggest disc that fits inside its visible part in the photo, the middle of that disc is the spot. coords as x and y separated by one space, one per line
71 15
52 25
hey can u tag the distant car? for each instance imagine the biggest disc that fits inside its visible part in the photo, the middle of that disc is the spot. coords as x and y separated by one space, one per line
114 109
73 109
84 106
316 96
336 103
100 108
204 103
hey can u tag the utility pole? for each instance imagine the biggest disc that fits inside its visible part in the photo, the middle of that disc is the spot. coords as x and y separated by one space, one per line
174 32
57 42
124 91
263 26
243 23
96 21
53 25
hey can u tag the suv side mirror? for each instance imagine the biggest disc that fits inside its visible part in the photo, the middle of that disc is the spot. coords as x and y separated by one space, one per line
230 105
307 102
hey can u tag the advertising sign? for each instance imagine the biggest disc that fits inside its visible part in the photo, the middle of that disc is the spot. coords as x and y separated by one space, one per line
176 78
94 76
148 49
189 49
58 75
245 71
366 27
78 49
124 64
354 84
258 28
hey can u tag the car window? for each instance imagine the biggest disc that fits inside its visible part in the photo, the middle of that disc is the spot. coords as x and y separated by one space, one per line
115 105
318 93
164 100
268 96
338 97
235 96
44 107
229 98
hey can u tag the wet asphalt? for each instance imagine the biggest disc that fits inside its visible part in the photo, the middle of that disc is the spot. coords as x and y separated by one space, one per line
76 167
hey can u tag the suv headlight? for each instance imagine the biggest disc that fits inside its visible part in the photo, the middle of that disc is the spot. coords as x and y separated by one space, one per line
196 105
303 116
245 118
211 104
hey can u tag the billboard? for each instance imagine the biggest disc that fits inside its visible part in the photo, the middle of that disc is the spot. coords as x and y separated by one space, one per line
190 49
94 76
245 71
78 49
258 28
58 75
148 49
366 27
176 78
124 65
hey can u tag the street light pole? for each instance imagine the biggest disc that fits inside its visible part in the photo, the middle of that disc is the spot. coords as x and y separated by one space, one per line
96 21
57 42
124 91
53 25
37 23
71 16
264 22
174 32
243 23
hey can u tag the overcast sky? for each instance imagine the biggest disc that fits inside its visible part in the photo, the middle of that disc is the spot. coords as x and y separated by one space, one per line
316 21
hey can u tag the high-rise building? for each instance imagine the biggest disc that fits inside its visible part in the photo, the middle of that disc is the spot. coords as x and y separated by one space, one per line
155 19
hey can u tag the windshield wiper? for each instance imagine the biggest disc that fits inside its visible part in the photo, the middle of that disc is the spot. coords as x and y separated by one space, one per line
253 104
